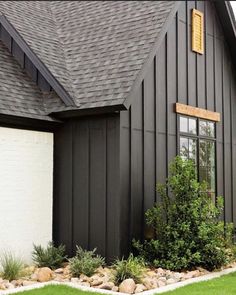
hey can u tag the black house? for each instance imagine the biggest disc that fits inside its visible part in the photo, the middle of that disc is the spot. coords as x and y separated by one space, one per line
124 86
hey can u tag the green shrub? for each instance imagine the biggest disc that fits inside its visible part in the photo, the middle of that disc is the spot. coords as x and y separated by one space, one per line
188 232
85 262
132 267
11 265
49 256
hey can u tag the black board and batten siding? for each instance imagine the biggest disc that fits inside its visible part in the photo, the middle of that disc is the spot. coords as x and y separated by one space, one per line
148 130
86 190
106 168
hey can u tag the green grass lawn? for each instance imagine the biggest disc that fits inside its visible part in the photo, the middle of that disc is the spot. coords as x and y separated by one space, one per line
225 285
57 290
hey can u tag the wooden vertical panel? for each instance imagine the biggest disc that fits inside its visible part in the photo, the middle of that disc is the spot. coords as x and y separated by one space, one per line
6 38
30 69
182 58
227 137
125 181
97 238
42 83
161 147
233 124
137 165
149 139
113 190
171 90
18 54
81 184
209 17
210 73
63 186
192 84
201 68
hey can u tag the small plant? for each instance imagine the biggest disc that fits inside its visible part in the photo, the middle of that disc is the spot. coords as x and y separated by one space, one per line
130 268
12 266
85 262
50 256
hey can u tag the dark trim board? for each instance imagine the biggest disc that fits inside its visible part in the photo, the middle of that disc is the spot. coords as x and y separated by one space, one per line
88 112
10 121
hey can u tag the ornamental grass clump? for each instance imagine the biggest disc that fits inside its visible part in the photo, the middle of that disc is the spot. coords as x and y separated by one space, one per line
187 228
85 262
130 268
50 256
11 266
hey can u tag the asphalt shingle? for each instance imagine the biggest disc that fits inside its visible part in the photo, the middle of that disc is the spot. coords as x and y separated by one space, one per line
19 96
95 49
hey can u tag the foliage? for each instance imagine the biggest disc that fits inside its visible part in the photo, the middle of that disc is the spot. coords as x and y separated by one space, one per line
132 267
186 223
49 256
85 262
12 266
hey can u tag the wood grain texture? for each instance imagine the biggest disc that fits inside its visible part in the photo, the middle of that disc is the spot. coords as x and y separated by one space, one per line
196 112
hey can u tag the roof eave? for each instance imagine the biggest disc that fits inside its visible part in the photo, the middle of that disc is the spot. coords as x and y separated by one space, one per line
18 122
89 111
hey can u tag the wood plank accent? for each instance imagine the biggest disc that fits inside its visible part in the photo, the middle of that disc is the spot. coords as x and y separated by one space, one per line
197 31
196 112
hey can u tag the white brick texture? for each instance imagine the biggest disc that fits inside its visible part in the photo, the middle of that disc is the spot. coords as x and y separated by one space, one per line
26 184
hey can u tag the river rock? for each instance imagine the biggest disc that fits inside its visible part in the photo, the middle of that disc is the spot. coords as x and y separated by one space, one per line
150 283
59 270
140 288
44 274
127 286
106 286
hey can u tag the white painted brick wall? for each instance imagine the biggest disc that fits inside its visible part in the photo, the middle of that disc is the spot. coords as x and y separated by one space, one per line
26 184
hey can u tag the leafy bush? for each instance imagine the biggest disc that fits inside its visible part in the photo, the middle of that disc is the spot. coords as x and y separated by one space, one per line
186 224
12 266
85 262
132 267
50 256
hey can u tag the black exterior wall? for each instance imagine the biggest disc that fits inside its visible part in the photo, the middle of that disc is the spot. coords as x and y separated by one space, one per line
106 168
86 185
148 131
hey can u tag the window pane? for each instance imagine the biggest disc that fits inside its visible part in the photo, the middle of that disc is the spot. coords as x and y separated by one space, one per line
207 128
192 126
210 153
202 173
184 147
211 129
202 153
193 150
211 179
183 124
202 128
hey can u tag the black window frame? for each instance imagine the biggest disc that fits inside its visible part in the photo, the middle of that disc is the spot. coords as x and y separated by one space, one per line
198 137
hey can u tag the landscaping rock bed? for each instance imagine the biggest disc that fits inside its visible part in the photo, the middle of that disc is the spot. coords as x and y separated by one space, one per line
103 279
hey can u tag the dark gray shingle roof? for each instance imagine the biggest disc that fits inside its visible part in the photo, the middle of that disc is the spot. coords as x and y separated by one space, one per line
95 49
19 96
